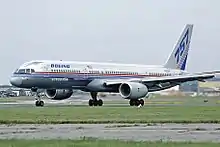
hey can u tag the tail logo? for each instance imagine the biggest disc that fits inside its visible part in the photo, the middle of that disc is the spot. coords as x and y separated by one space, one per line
182 46
178 57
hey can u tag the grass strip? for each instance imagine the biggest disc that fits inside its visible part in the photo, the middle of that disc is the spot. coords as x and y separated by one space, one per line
153 114
99 143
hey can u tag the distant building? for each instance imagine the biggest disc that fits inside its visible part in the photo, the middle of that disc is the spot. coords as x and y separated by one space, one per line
211 87
18 91
191 86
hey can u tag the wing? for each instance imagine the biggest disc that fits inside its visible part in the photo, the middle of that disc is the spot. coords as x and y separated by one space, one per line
157 83
211 72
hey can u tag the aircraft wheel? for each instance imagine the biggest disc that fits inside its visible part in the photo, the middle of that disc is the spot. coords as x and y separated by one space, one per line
100 102
91 102
141 102
95 102
39 103
132 102
137 102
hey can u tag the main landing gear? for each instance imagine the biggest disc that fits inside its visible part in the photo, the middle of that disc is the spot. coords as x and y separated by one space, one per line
39 102
94 101
136 102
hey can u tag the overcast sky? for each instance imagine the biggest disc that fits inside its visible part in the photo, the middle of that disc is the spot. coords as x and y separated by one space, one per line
125 31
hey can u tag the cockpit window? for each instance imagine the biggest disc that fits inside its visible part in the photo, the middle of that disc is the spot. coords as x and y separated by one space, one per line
24 71
27 70
21 71
32 70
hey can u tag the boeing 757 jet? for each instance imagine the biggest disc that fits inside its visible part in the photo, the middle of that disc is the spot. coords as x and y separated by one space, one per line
131 81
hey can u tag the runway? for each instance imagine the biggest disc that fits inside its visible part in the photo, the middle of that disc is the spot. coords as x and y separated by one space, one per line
114 101
142 132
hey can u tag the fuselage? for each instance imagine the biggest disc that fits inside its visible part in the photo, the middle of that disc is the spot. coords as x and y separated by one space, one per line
47 74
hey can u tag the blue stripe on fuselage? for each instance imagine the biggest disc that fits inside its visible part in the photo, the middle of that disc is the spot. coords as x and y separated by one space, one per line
76 76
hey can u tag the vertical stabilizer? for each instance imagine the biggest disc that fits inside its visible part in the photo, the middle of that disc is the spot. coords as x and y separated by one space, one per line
178 57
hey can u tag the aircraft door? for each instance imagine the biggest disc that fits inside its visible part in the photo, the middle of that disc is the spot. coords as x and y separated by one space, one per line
85 73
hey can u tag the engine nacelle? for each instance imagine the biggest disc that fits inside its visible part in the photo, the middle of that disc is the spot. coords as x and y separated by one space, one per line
97 85
58 94
133 90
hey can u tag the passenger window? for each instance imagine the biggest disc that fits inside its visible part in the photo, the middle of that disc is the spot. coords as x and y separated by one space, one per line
28 70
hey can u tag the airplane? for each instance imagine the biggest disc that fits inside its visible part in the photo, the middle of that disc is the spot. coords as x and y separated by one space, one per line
132 81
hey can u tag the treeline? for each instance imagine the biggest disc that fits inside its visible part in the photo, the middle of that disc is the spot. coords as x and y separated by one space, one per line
6 86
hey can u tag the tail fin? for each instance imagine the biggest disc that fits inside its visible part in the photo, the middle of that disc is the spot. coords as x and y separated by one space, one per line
178 58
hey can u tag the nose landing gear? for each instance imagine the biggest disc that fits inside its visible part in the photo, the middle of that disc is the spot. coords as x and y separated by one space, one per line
39 102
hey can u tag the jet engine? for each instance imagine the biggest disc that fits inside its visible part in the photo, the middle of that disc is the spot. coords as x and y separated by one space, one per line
133 90
58 94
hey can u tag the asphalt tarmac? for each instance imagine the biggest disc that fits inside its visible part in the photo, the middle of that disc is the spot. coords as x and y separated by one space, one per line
142 132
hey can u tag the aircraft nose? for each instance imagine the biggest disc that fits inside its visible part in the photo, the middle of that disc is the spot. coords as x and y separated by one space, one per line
16 81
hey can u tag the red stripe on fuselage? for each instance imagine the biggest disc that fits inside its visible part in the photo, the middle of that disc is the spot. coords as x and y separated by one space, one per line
100 74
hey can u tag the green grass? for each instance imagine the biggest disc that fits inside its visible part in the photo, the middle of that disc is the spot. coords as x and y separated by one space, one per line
98 143
147 114
183 100
5 100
